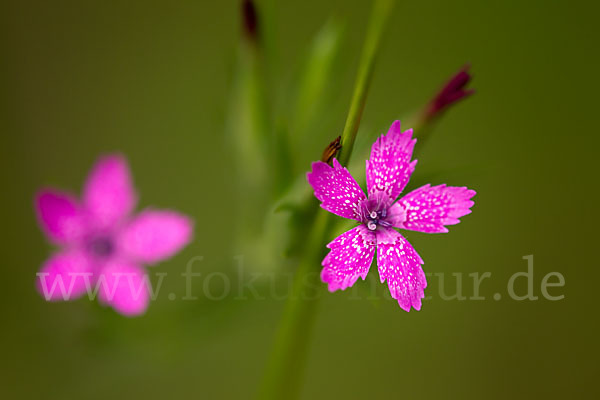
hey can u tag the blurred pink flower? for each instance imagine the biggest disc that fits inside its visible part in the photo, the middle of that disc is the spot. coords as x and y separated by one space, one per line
103 247
427 209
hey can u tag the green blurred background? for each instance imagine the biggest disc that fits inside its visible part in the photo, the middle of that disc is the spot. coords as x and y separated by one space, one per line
153 80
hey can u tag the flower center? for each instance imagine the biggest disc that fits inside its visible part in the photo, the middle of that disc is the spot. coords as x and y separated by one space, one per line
377 218
101 246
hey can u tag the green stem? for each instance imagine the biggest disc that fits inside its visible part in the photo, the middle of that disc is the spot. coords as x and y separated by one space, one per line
285 368
283 375
422 129
249 132
379 17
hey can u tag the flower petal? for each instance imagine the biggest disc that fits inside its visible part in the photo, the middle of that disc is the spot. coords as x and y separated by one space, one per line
109 194
336 189
428 209
65 276
60 216
389 167
155 235
350 257
125 287
400 265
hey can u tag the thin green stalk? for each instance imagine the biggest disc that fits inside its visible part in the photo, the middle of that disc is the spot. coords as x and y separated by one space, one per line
249 131
284 372
285 368
379 17
422 129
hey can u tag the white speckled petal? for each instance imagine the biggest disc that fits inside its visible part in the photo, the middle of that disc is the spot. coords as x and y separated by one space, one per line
336 189
350 257
389 167
428 209
400 265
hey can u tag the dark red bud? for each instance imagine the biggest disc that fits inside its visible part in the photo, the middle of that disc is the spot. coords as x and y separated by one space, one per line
250 19
452 92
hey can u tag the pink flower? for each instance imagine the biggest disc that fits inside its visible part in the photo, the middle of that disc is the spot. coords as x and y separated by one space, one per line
427 209
103 246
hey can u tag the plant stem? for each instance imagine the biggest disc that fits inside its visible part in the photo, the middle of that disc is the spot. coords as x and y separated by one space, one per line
381 12
285 368
284 371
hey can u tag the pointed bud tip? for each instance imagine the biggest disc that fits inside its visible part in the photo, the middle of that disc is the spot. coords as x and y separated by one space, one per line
453 91
250 19
331 150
